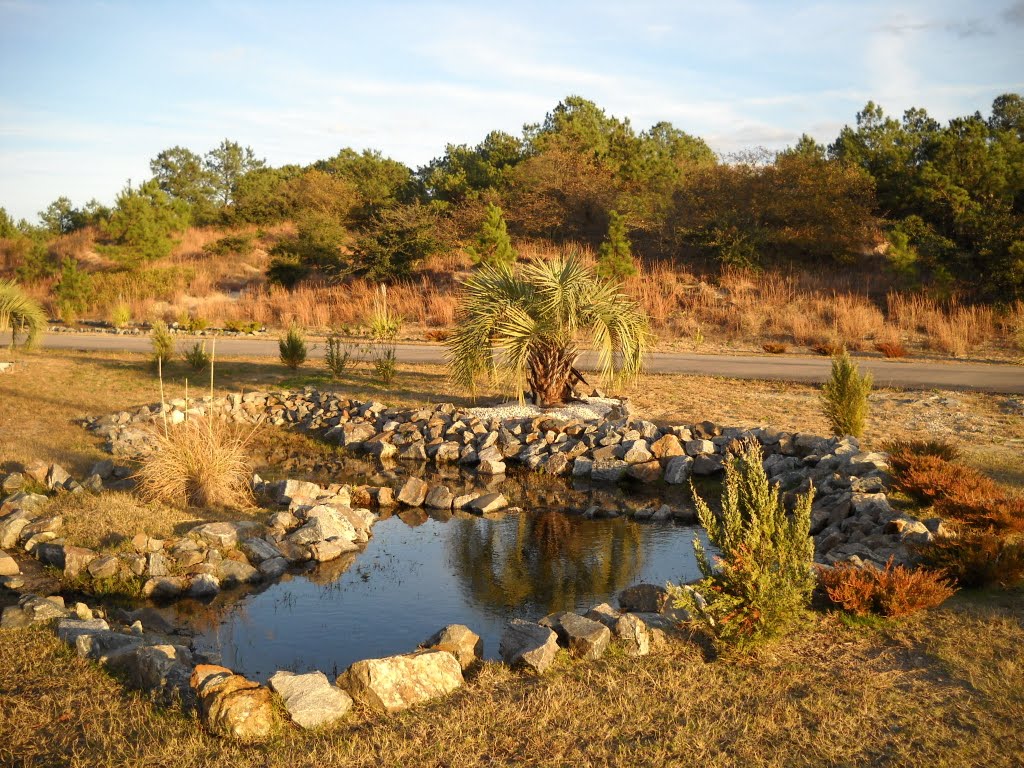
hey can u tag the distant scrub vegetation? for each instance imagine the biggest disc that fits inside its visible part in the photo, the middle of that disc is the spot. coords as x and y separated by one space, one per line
931 206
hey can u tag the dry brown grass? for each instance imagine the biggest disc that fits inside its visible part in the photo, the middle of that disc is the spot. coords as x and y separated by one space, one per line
202 462
950 690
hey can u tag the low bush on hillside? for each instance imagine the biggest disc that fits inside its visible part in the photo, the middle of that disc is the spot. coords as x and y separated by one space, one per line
239 245
762 579
774 348
893 591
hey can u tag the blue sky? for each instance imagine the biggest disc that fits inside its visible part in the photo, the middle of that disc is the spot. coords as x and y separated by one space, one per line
90 91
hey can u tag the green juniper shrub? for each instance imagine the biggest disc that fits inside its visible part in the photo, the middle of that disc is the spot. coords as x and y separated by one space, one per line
163 342
615 256
844 397
292 347
762 577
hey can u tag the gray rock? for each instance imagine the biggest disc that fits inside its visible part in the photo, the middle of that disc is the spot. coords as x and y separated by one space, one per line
677 470
68 630
584 637
439 497
608 470
603 613
204 586
698 447
222 534
273 568
460 641
76 560
488 503
164 587
646 472
310 699
633 634
491 467
33 610
258 550
643 598
704 465
395 683
232 572
528 645
413 492
97 645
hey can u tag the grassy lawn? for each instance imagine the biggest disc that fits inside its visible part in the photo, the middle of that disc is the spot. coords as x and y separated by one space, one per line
941 689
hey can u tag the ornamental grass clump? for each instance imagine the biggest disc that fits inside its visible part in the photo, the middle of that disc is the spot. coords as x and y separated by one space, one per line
201 462
844 397
761 580
20 313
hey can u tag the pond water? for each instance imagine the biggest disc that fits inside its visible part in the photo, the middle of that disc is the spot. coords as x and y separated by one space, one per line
421 571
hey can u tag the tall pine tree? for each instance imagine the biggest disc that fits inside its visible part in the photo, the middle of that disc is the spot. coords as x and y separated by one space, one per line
615 257
493 245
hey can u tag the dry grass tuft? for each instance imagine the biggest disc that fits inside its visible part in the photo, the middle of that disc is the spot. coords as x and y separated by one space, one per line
891 349
774 348
202 462
893 591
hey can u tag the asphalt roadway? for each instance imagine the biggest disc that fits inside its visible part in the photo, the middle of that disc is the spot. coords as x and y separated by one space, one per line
905 374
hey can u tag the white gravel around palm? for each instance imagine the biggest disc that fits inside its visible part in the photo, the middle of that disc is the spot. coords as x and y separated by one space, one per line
585 409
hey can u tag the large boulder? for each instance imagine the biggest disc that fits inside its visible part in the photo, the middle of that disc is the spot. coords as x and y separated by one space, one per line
311 700
395 683
528 645
678 469
440 497
460 641
232 706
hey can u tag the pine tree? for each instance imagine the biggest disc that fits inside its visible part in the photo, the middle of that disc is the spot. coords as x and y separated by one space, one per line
615 257
493 245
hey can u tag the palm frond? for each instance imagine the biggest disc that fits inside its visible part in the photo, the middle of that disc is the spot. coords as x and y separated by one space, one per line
20 312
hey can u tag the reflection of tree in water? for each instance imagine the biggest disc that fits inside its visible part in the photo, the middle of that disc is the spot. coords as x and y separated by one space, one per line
547 559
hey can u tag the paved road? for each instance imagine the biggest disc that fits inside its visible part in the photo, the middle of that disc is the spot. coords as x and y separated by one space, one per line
888 373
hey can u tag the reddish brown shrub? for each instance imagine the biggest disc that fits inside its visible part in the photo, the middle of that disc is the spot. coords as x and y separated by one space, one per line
829 349
891 349
893 591
772 348
976 558
922 470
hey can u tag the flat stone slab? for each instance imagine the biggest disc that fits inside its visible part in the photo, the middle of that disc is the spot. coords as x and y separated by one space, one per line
489 502
310 699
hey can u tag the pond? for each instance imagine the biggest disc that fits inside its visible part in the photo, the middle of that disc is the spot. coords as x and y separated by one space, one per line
421 571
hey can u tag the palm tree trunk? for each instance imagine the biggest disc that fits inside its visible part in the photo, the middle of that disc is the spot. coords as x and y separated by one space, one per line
551 374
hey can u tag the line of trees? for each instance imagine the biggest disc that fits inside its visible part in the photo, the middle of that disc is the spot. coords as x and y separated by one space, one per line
944 202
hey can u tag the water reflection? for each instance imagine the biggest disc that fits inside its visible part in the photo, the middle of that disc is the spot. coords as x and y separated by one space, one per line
426 568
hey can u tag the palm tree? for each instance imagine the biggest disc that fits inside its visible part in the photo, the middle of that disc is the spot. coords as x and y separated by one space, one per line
534 318
20 312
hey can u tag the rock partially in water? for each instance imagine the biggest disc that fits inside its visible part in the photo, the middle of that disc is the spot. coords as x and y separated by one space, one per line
310 699
528 645
643 598
413 492
459 640
488 503
395 683
33 610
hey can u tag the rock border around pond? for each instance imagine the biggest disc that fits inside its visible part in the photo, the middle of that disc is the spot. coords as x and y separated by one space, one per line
163 663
